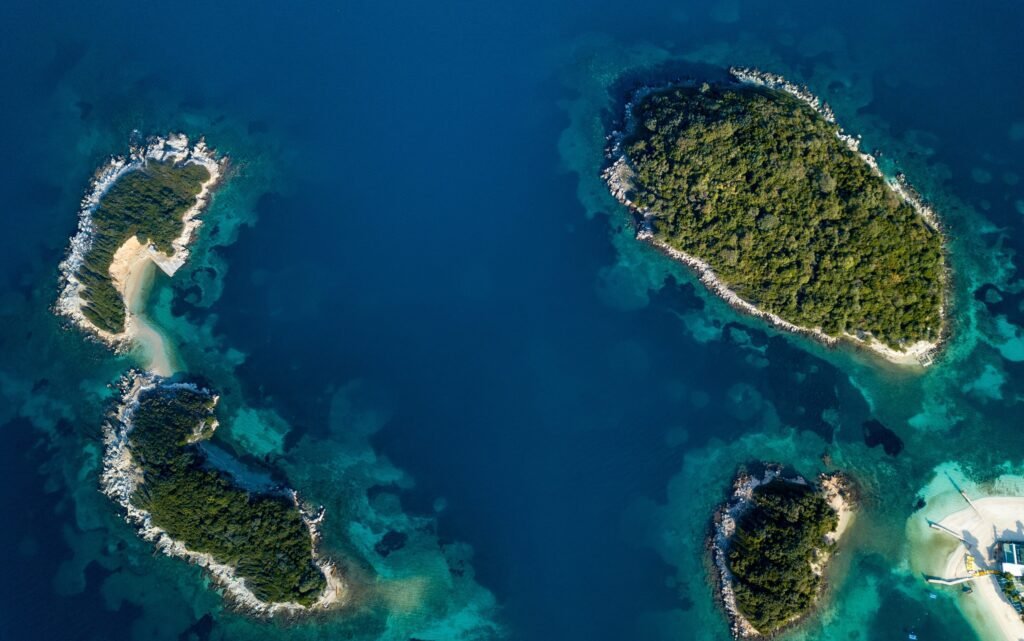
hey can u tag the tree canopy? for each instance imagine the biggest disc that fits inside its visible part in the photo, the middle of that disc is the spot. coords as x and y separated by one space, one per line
148 202
262 535
758 185
771 552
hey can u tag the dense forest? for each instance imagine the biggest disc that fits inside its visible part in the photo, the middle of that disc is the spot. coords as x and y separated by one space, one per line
148 203
759 186
262 535
771 552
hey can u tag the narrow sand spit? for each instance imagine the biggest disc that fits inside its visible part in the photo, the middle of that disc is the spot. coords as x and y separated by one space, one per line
132 272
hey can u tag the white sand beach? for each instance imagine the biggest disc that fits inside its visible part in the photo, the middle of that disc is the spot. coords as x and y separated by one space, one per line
133 271
834 488
938 554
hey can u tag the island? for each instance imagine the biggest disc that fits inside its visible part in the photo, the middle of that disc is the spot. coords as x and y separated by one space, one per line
140 210
973 546
770 544
192 499
258 543
752 184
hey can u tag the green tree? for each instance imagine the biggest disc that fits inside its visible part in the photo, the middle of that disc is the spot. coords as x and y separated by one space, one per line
148 203
758 185
261 534
772 549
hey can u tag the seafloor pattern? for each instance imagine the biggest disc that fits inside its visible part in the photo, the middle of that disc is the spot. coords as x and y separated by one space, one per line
423 307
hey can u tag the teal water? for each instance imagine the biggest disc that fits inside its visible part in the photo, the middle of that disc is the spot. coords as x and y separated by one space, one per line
424 311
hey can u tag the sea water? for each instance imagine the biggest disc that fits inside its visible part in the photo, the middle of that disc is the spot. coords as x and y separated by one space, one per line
423 310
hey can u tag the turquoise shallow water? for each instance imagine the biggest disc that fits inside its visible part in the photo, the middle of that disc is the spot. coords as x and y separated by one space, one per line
424 311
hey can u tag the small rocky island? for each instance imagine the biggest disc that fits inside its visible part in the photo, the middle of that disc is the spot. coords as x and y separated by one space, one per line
753 184
259 544
770 544
140 210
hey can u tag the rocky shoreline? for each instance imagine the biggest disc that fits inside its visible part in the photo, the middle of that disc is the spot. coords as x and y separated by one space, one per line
723 527
835 488
175 148
619 175
121 476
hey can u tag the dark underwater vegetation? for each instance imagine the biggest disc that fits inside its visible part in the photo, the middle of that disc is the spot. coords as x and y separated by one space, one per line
422 309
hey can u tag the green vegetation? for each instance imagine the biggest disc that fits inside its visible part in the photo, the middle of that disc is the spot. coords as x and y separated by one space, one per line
758 185
771 552
1011 590
262 535
148 203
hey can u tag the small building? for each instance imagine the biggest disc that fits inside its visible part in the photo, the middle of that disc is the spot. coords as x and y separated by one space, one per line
1012 555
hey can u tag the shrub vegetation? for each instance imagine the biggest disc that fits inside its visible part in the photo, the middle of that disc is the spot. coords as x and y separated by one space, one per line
757 184
771 552
148 203
262 535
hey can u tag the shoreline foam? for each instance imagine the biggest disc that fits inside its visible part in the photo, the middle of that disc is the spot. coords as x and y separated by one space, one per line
619 176
121 476
127 276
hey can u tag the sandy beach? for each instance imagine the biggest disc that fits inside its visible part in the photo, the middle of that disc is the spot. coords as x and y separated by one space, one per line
835 488
132 272
992 518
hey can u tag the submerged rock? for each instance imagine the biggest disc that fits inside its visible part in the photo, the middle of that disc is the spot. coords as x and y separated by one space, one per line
875 434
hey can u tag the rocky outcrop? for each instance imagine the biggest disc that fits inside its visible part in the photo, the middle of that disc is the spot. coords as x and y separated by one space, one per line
723 528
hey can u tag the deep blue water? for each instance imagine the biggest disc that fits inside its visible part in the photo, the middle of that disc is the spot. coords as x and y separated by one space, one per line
415 273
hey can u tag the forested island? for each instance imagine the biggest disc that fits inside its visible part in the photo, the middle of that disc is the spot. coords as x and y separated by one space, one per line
259 544
146 203
770 544
755 186
141 208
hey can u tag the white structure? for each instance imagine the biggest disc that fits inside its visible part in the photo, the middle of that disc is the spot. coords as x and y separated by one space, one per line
1012 554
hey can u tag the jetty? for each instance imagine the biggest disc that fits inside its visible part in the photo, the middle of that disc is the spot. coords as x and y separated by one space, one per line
987 560
945 530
